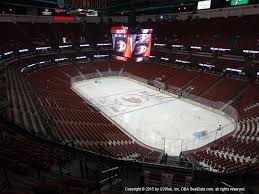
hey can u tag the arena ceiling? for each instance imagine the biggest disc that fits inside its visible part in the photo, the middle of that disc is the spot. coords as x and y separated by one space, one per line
149 5
120 6
31 3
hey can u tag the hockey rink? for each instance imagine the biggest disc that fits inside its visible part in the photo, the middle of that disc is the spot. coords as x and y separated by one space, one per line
154 118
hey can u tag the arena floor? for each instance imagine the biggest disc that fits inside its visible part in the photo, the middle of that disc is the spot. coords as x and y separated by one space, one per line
147 114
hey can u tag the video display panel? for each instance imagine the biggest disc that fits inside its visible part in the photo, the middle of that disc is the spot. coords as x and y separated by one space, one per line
239 2
122 43
204 5
142 45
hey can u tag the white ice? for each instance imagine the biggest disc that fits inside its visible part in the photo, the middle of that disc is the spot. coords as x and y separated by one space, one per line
150 116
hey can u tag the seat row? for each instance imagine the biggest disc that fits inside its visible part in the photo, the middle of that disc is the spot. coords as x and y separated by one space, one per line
234 152
74 120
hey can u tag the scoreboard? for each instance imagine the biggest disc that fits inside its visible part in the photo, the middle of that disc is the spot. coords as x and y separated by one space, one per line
128 44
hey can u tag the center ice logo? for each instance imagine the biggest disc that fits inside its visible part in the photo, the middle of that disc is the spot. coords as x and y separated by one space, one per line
132 100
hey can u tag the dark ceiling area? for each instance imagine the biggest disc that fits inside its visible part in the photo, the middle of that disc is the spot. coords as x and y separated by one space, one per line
31 3
118 7
149 6
162 6
22 7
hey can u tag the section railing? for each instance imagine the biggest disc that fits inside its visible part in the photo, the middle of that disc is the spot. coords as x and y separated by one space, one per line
207 137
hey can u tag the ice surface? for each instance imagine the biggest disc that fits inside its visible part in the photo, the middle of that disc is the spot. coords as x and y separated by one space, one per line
148 114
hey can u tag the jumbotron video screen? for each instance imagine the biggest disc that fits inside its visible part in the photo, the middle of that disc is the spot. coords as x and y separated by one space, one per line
135 44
